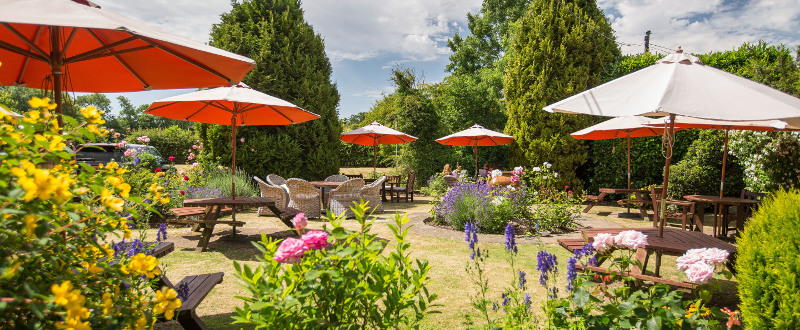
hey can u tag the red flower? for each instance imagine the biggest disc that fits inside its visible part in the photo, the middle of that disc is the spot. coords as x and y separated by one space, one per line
158 170
566 187
182 192
185 178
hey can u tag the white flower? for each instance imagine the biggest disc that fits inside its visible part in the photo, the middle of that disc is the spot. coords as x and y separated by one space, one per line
555 175
536 169
547 165
511 188
498 200
497 173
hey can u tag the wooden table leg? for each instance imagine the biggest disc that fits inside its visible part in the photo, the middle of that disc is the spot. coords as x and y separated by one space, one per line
699 216
212 213
740 218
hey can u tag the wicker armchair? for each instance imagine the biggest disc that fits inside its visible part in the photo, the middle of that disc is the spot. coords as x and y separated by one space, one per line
304 197
341 199
372 193
337 178
275 193
275 180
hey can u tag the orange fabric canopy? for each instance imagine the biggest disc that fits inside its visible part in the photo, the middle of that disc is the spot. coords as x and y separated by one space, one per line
620 127
476 136
374 134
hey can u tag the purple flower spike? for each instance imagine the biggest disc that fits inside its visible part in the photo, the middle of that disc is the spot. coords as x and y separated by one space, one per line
546 264
511 244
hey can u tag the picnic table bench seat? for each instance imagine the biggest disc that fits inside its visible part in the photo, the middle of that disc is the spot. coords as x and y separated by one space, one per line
642 277
186 212
197 287
593 200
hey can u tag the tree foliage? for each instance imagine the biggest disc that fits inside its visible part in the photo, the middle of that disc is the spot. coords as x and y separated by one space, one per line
553 55
291 65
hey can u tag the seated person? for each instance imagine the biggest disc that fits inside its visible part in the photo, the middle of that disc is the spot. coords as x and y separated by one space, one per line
447 170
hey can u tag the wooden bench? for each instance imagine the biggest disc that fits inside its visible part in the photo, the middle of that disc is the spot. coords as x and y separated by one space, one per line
187 212
197 288
642 256
600 270
593 200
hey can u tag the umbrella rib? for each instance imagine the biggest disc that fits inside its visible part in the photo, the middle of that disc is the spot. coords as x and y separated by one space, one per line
187 59
113 53
205 105
280 113
161 106
43 56
92 53
218 104
145 85
28 59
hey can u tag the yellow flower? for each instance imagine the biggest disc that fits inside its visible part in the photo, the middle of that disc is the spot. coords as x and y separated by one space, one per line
164 200
30 225
37 103
111 201
160 174
39 183
167 302
108 304
145 265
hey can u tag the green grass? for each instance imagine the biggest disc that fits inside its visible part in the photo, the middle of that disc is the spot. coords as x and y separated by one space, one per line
447 256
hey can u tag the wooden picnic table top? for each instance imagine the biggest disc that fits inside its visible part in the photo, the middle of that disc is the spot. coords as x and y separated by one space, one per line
719 200
675 241
238 201
326 184
623 191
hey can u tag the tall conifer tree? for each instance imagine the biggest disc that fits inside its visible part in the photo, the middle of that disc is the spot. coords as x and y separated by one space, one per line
559 48
290 64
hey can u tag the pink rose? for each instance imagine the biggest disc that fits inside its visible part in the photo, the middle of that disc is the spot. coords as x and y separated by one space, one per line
715 256
195 164
116 135
566 187
603 241
194 146
241 140
514 179
700 272
300 222
290 251
631 239
171 158
569 192
690 258
316 239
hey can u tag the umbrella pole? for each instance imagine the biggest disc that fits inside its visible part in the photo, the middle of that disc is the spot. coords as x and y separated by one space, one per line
233 166
663 211
374 158
475 151
57 66
719 209
629 168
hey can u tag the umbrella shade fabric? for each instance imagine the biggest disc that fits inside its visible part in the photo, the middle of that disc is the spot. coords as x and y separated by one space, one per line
620 127
680 84
375 134
218 106
476 136
100 51
235 106
698 123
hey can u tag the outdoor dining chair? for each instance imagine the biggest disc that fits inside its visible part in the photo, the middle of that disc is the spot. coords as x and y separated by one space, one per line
276 193
408 189
275 180
342 197
304 197
371 193
686 209
337 178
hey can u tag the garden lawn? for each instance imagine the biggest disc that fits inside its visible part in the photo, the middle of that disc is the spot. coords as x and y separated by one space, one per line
447 254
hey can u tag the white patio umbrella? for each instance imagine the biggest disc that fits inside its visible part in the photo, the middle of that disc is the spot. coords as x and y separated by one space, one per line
373 135
679 84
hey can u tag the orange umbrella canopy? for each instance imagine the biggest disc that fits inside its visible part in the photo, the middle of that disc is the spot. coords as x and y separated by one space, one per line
476 136
752 125
100 51
620 127
374 134
222 104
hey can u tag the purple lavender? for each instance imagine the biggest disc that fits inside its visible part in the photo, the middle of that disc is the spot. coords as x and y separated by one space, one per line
546 264
527 300
472 238
511 244
118 248
522 280
203 192
506 299
162 232
135 247
571 272
183 291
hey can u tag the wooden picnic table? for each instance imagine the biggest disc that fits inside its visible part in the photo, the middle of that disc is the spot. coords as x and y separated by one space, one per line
642 198
675 242
701 200
322 185
213 207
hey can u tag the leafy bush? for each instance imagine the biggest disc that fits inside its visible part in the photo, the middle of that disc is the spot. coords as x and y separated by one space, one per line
56 271
219 177
172 141
436 185
767 265
335 279
553 207
771 160
700 170
488 208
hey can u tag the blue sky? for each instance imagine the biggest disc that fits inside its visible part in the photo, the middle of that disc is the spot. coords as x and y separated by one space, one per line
365 39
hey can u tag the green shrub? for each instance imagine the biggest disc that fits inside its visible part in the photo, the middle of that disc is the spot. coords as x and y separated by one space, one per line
172 141
436 185
341 280
219 177
768 268
699 172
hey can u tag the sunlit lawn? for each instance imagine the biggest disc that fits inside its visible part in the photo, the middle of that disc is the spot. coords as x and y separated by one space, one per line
447 256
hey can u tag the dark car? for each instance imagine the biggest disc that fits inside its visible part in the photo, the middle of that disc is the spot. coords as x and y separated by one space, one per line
102 153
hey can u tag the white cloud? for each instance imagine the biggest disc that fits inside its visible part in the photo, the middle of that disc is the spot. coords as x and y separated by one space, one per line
703 26
374 93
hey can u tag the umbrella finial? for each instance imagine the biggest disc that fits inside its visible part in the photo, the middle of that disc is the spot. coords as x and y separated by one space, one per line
679 51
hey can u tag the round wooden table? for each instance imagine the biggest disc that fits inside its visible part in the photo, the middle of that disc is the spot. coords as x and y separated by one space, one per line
699 212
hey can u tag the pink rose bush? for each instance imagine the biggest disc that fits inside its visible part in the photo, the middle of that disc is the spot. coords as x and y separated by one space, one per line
631 239
700 264
300 222
290 251
603 241
316 239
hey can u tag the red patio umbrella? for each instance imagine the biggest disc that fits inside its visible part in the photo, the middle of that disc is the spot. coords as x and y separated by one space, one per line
620 127
373 135
234 105
76 46
476 136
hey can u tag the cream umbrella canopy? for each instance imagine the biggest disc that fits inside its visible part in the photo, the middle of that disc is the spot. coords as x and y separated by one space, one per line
235 106
679 84
620 127
76 46
373 135
474 137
